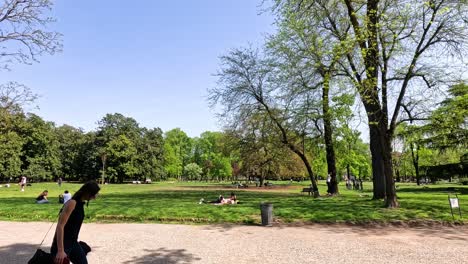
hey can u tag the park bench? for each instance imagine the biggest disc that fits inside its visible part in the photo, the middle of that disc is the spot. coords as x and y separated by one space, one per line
307 190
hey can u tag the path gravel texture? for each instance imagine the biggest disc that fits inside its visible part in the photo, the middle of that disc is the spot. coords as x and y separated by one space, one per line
231 244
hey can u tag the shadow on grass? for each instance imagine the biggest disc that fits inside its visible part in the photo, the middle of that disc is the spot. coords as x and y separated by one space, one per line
440 190
164 256
17 253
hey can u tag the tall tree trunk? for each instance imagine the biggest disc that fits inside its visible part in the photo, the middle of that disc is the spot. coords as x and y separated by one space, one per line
331 161
390 191
378 175
308 167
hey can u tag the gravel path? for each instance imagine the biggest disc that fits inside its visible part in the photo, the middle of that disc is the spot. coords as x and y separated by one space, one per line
161 243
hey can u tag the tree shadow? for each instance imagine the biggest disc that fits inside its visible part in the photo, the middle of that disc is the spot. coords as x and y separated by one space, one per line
164 256
18 253
425 189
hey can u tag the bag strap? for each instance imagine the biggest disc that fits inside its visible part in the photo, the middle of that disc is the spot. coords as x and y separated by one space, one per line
47 233
58 216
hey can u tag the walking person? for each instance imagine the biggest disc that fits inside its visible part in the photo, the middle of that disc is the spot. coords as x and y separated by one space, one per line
23 182
65 244
59 181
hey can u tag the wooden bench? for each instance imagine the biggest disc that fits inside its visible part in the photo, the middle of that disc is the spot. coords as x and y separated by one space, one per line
307 190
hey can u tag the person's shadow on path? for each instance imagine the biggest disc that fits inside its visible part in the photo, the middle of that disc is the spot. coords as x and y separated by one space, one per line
164 256
19 252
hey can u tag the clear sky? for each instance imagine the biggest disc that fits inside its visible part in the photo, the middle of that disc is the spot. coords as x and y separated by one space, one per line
151 60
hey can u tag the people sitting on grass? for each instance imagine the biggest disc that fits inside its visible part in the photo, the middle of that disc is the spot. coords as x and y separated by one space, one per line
42 198
63 198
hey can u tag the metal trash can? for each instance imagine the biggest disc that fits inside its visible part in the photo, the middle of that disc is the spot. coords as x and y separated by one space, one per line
267 213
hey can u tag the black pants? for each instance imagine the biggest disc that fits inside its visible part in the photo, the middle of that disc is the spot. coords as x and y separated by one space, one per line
74 252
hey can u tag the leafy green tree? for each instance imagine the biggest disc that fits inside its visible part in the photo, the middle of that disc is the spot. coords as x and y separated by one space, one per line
448 126
11 145
178 151
41 156
193 171
151 154
390 51
70 140
122 154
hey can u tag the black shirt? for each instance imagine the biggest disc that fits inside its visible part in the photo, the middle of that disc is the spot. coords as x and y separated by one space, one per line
72 227
40 198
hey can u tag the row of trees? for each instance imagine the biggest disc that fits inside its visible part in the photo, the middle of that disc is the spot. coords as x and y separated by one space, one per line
123 150
395 56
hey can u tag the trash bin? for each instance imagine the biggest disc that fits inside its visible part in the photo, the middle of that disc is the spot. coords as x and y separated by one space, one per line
267 213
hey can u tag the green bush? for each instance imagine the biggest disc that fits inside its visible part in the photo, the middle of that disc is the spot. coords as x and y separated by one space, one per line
463 181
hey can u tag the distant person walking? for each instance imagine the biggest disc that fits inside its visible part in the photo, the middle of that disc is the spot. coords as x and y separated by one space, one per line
65 244
22 182
59 181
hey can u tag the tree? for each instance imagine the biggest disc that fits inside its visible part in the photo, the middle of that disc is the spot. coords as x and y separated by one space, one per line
310 61
11 145
121 157
193 171
41 158
245 87
448 126
392 49
151 154
70 140
177 149
24 36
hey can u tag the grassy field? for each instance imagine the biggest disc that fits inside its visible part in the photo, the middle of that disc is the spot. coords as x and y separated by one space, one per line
174 202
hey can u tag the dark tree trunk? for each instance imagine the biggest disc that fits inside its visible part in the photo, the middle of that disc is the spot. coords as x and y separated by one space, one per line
390 197
378 175
331 161
309 170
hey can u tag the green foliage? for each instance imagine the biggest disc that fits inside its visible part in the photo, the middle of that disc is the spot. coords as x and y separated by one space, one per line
449 122
193 171
11 145
41 157
121 158
177 149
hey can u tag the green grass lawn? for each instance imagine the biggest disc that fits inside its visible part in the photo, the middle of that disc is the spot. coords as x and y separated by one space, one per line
178 202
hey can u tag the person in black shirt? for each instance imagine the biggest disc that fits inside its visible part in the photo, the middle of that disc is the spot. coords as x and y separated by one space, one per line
42 198
65 244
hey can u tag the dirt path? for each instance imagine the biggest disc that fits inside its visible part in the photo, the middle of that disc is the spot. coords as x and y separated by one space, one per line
160 243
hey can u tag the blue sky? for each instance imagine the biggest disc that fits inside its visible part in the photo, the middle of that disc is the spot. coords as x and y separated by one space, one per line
150 60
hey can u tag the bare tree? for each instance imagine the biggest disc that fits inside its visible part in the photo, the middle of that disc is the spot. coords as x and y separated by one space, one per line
245 88
13 96
23 31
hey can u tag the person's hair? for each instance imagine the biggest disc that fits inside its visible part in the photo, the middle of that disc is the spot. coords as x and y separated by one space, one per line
88 190
45 191
66 191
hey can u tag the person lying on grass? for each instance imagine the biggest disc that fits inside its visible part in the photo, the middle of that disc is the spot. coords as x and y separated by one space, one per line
221 200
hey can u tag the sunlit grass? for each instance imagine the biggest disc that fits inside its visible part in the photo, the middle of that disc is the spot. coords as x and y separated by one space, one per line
178 202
